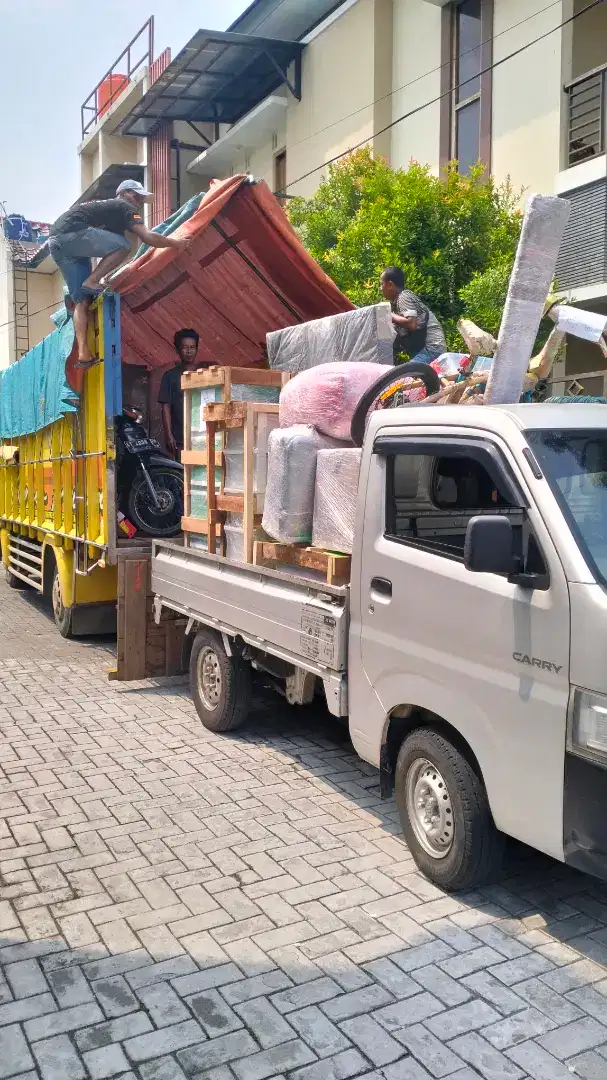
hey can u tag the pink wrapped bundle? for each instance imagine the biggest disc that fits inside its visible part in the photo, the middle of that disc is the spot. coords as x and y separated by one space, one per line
326 396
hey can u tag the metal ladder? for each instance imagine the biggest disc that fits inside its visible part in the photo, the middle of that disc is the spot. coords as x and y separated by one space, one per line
20 307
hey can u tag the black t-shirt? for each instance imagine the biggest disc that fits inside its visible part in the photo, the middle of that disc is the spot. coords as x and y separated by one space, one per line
114 215
170 393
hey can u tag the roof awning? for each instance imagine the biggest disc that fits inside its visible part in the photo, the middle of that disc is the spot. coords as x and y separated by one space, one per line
104 187
217 78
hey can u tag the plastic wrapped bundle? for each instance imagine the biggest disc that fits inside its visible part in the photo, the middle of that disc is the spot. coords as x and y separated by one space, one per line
289 503
326 397
542 232
365 334
234 536
198 399
337 473
234 456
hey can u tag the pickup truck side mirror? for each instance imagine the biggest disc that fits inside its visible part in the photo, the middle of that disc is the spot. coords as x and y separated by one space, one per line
489 546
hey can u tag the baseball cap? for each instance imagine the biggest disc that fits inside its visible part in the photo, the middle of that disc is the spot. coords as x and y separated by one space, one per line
133 185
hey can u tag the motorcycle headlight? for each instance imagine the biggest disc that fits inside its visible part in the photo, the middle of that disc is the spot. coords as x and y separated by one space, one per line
589 725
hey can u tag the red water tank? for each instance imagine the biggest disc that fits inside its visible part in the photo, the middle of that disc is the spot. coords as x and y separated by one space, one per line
108 92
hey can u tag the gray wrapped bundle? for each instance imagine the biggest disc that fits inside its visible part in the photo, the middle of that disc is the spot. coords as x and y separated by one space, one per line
289 501
530 281
364 334
337 474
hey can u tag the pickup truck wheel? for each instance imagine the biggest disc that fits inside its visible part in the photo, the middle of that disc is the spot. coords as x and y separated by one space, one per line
220 684
445 813
63 615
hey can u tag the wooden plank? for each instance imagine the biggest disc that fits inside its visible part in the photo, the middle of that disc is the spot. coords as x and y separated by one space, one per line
336 568
215 376
199 457
206 377
187 475
211 492
234 413
133 598
250 430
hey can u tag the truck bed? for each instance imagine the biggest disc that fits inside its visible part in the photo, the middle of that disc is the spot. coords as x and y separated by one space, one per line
300 620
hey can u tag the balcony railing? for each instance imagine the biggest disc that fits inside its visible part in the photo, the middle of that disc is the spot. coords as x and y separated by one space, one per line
586 119
138 52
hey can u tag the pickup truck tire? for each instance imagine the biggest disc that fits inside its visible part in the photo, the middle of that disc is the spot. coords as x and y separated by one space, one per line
445 813
220 684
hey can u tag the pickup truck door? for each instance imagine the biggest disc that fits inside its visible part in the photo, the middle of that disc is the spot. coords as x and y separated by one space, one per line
489 657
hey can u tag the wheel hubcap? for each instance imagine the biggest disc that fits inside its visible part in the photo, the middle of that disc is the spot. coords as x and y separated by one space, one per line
209 678
429 808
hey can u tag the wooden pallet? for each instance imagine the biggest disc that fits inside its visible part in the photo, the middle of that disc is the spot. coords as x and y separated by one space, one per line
223 379
335 568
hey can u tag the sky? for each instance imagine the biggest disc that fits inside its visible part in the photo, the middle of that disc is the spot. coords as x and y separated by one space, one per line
54 52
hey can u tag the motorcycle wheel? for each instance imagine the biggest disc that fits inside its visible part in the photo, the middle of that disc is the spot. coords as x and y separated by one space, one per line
394 375
148 519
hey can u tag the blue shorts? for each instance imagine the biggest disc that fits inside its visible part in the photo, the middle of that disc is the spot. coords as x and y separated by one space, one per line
73 252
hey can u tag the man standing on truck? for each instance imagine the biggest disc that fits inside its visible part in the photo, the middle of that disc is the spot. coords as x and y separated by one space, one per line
96 230
170 395
418 331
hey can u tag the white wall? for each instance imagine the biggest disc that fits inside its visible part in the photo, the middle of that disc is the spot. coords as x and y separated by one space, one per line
527 96
336 111
7 339
416 69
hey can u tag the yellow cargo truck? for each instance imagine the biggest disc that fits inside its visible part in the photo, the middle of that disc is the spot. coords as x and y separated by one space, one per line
57 484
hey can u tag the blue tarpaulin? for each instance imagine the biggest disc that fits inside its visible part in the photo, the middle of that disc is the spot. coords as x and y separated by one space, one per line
34 392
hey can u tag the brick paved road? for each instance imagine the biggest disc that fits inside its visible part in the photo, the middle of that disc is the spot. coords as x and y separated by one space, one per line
177 905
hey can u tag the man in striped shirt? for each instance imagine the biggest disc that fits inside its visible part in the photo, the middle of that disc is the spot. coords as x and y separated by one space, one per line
418 331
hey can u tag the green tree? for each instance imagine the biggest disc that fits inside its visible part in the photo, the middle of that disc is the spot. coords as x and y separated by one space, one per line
445 233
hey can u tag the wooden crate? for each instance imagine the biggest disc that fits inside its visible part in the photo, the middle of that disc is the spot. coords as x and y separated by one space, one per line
229 416
144 649
335 568
223 379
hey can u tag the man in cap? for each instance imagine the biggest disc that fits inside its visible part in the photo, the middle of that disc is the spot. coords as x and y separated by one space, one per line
96 230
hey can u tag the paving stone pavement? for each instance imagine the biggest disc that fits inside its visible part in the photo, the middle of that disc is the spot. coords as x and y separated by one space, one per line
181 906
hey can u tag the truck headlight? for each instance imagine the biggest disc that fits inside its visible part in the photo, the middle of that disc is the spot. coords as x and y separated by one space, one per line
589 725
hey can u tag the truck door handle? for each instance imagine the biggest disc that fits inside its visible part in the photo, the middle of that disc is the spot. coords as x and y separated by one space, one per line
382 586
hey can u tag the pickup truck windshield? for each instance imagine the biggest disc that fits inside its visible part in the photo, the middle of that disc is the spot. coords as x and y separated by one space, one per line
575 465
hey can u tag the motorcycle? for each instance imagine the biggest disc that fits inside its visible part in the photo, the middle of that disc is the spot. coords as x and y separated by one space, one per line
150 483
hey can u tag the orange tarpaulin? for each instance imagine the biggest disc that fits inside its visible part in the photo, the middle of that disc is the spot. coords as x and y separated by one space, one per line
247 274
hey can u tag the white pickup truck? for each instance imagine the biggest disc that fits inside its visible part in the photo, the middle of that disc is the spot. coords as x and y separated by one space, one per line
469 652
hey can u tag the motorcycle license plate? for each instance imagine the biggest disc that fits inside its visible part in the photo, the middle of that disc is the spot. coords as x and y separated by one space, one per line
141 446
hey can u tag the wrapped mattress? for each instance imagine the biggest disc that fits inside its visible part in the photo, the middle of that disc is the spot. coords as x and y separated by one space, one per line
337 475
365 334
289 503
326 397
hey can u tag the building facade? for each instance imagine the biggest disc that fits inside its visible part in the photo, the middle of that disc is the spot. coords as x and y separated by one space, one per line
518 84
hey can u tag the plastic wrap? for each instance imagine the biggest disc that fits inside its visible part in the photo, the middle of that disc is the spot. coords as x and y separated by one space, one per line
198 399
337 474
365 334
588 325
233 530
234 456
530 281
326 397
289 503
